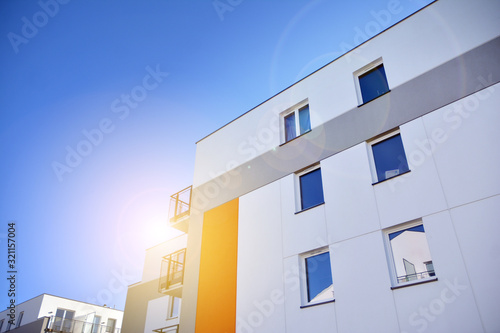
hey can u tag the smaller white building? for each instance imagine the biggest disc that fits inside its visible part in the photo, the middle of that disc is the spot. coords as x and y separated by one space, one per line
48 313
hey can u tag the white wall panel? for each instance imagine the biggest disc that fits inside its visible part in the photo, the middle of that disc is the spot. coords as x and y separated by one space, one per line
362 286
156 317
304 231
319 318
477 230
350 204
468 156
260 294
446 305
417 193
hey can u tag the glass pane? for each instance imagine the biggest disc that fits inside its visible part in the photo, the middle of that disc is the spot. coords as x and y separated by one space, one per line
311 189
390 159
95 326
411 255
304 120
290 131
373 83
174 309
70 314
319 277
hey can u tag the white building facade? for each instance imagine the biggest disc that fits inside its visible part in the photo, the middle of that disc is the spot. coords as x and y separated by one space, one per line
48 313
365 197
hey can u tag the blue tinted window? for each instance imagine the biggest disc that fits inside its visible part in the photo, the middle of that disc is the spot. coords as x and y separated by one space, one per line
311 189
304 120
373 84
319 274
290 127
390 159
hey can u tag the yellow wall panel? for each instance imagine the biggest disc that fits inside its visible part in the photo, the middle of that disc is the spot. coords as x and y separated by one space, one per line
216 308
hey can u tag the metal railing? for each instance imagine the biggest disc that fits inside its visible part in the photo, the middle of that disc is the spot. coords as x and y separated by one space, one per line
62 325
180 204
169 329
416 276
172 270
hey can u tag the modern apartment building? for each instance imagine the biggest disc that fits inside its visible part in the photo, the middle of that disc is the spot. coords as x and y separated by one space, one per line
153 304
48 313
363 198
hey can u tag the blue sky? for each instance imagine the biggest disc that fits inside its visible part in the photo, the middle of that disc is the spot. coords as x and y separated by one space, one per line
101 103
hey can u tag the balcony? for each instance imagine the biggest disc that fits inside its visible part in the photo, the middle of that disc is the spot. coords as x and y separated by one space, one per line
172 274
180 208
64 325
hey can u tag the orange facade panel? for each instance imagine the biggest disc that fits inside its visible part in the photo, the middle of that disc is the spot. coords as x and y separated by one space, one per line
216 307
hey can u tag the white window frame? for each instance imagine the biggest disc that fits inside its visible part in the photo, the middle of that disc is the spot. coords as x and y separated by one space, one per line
370 143
298 190
390 257
303 276
294 109
171 307
363 70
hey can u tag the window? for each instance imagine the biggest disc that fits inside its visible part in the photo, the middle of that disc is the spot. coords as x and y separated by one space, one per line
371 81
20 319
110 326
63 320
296 121
388 158
317 284
408 253
9 325
1 324
310 188
172 270
96 324
174 305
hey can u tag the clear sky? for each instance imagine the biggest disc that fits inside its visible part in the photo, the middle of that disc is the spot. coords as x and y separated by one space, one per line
101 103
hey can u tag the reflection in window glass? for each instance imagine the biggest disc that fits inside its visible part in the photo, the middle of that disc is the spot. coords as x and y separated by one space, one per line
290 131
319 277
410 251
373 83
389 157
311 189
304 120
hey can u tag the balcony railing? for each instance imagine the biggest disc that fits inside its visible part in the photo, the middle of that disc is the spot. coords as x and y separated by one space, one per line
172 271
180 204
416 276
169 329
63 325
